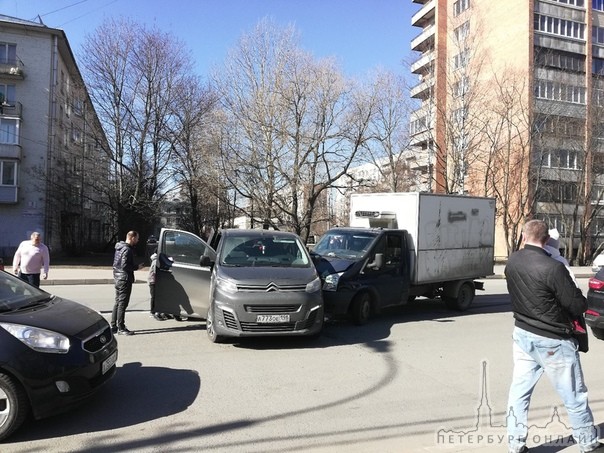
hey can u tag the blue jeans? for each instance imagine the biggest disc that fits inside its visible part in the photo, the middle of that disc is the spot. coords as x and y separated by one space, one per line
559 359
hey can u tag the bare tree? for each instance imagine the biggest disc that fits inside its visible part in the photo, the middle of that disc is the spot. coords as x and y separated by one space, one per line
134 75
293 127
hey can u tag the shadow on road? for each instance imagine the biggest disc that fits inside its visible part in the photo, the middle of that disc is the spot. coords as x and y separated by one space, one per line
375 333
135 395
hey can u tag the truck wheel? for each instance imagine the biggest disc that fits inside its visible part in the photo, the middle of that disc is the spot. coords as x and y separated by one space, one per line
598 333
464 298
361 309
14 406
212 335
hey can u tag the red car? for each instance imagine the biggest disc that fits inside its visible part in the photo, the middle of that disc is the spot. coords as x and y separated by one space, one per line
594 316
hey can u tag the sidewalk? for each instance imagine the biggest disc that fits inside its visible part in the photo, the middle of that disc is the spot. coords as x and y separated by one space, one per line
91 275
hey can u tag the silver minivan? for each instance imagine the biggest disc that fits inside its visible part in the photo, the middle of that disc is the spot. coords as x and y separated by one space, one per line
257 283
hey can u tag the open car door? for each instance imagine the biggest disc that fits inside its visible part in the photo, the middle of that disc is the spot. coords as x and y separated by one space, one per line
182 284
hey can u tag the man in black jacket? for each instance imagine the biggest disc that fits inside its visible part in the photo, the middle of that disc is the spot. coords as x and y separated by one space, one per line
123 274
545 301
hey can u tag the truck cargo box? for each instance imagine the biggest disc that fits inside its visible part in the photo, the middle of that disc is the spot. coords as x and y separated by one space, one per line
451 237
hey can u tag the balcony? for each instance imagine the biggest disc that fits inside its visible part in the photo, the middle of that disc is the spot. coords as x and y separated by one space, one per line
425 40
11 110
11 69
423 64
8 194
425 16
10 151
423 90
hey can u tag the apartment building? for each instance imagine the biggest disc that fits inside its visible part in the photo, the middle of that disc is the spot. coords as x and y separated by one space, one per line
51 144
510 98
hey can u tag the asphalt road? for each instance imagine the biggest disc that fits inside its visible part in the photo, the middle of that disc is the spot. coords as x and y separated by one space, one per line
416 379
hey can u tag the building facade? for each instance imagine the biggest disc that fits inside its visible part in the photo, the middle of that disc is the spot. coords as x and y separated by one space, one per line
51 144
510 98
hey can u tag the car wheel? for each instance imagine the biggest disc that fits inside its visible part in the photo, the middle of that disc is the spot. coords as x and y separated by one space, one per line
212 335
598 333
14 406
464 298
361 309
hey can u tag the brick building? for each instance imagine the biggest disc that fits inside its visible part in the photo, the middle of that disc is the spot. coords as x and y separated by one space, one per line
510 99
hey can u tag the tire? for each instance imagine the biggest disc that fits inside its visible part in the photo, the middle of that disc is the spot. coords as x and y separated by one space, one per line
212 335
14 406
360 309
598 333
464 298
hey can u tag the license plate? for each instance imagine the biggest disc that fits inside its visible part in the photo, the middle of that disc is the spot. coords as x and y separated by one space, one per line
109 362
271 319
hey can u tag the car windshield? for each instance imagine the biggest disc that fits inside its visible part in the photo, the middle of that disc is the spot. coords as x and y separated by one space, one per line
265 250
344 244
16 294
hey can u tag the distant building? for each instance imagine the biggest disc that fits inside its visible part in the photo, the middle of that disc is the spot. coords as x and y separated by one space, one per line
50 144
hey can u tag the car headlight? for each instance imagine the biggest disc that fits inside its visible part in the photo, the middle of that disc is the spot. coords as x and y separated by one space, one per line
226 285
331 282
314 286
40 340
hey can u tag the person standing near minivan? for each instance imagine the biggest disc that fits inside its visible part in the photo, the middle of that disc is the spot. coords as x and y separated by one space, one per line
32 260
123 275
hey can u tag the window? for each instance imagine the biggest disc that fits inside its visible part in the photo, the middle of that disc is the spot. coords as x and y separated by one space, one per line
561 27
8 173
9 131
598 4
462 32
8 53
7 94
555 91
461 87
461 59
460 6
76 134
562 60
580 3
78 106
561 158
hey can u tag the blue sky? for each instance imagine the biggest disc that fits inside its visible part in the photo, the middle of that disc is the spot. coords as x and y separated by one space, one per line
362 34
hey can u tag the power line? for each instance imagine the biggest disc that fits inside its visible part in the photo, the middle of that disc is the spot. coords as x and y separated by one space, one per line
60 9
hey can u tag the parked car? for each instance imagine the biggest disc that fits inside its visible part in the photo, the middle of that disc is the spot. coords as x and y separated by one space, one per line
54 353
594 316
598 263
257 283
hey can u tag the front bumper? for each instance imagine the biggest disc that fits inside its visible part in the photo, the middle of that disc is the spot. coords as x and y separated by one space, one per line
294 314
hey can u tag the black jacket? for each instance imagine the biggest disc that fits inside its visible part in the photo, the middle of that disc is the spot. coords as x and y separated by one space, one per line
123 262
544 297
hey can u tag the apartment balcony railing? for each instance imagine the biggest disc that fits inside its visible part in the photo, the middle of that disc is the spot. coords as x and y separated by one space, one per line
423 89
10 151
426 15
425 40
12 69
423 64
11 109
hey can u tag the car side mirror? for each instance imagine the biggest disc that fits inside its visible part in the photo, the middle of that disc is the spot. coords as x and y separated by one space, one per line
378 262
205 261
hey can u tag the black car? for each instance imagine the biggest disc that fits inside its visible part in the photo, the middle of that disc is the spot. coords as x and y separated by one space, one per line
594 316
54 353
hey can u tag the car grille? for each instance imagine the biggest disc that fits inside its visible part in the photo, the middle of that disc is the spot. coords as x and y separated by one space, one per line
98 340
272 308
229 320
253 327
271 287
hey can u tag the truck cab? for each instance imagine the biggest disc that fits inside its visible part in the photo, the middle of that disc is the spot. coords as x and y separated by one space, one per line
362 270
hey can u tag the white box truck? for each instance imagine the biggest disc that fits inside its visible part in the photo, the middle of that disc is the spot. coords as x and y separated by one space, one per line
400 246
